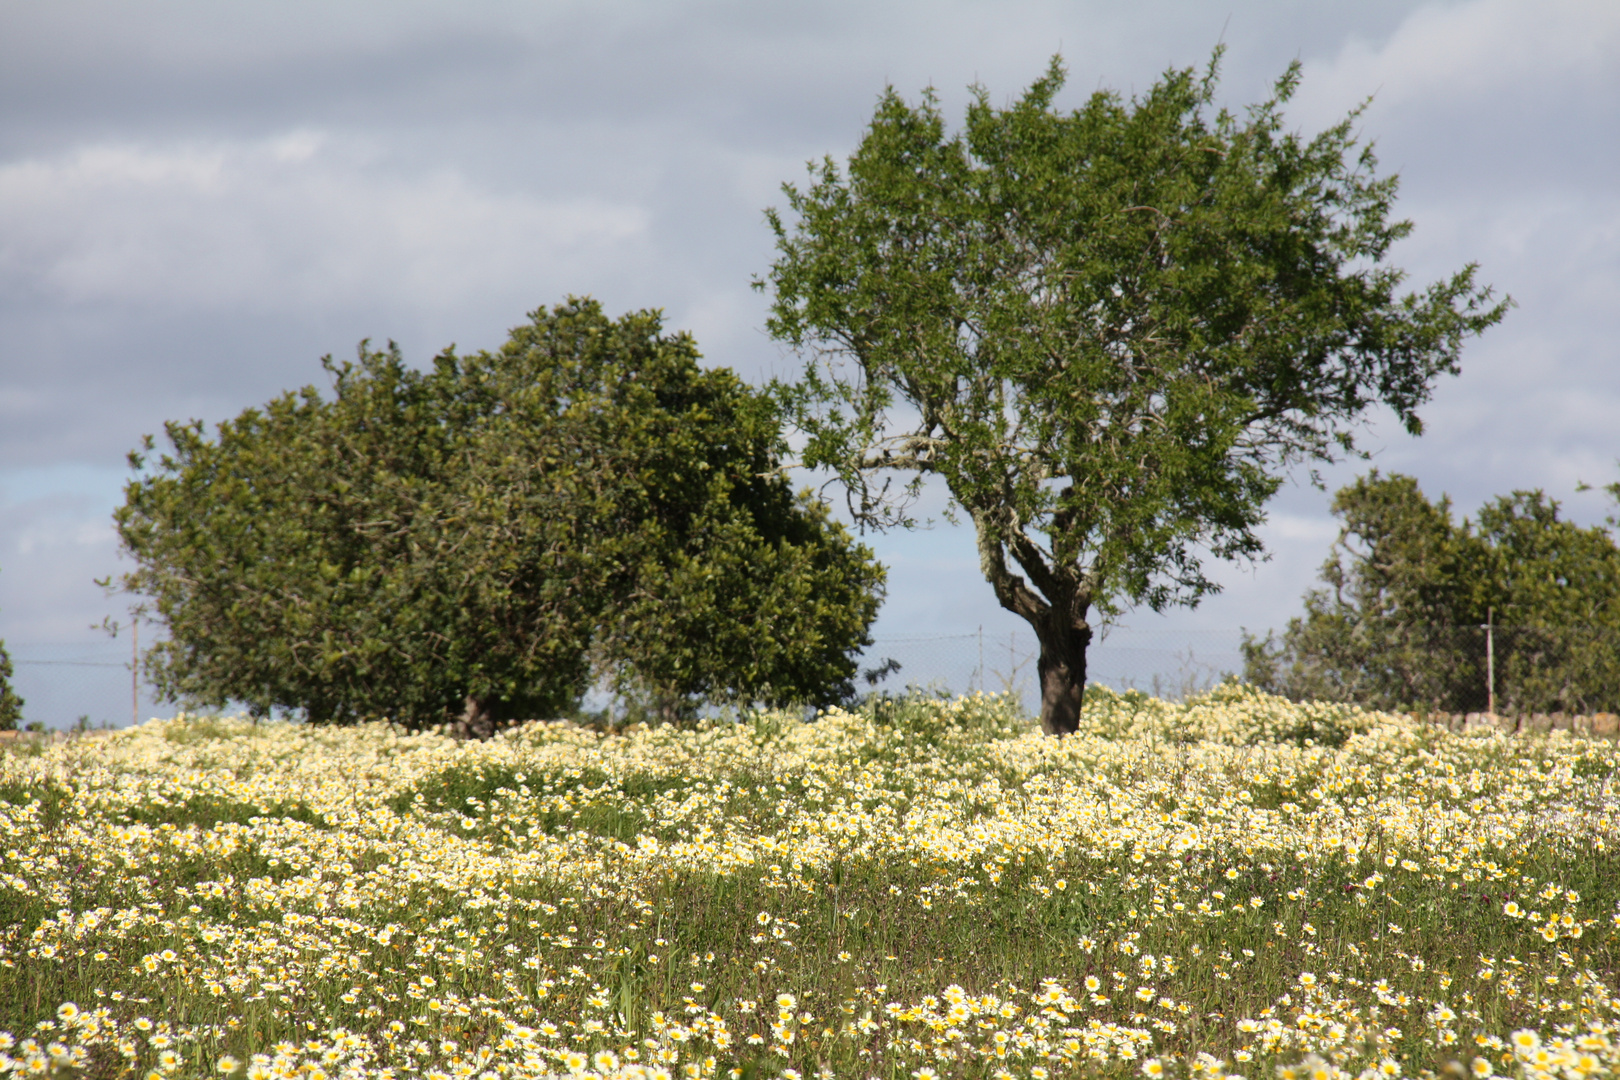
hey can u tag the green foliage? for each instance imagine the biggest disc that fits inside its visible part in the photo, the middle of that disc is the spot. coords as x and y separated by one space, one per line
931 712
481 538
1400 623
10 704
1233 714
49 796
208 810
587 799
1109 331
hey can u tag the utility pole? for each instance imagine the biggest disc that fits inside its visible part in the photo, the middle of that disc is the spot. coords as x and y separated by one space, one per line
134 672
981 658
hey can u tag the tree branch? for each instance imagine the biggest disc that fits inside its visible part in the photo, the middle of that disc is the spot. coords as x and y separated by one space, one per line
1011 590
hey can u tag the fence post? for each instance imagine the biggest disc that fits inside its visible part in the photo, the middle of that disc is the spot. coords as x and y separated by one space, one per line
1490 661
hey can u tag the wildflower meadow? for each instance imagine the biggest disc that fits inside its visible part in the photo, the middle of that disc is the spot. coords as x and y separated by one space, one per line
1233 885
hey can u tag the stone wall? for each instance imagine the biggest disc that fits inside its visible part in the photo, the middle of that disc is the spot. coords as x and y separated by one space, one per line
1606 724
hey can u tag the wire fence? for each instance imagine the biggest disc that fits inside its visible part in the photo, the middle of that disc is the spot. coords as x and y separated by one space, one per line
90 684
1509 671
1165 663
64 684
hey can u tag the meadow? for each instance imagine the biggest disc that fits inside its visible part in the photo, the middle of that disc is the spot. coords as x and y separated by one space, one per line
1232 885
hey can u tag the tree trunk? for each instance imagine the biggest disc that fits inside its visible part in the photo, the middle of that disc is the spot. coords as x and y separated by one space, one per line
475 721
1057 613
1062 669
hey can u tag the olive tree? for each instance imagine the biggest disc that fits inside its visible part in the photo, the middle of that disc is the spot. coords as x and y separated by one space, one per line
1110 332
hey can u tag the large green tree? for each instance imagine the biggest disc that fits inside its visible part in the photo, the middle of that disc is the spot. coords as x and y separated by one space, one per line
1110 332
477 541
1409 590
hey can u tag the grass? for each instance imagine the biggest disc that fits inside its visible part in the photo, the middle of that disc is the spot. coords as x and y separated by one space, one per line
1232 885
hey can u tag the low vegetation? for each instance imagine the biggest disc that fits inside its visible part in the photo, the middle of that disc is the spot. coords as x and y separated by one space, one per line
1230 886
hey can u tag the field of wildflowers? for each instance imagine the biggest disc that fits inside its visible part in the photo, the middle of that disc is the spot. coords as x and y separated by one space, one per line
1229 886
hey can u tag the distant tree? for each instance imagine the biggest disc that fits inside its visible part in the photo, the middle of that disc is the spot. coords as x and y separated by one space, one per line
1408 590
10 704
1399 568
1110 333
470 543
1554 588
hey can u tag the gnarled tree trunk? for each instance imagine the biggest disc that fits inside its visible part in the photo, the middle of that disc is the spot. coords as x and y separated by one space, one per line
1062 670
1057 613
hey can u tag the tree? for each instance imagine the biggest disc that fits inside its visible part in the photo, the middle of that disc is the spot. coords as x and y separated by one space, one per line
1110 332
10 704
1400 567
474 541
1400 624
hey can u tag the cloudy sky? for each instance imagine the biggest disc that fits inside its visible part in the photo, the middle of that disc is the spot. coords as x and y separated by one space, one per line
198 200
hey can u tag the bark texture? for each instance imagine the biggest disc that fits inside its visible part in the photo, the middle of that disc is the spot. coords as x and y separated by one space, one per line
476 721
1057 613
1062 669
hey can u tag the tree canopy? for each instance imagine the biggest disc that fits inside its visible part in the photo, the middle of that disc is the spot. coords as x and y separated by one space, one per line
481 539
1110 332
1401 622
